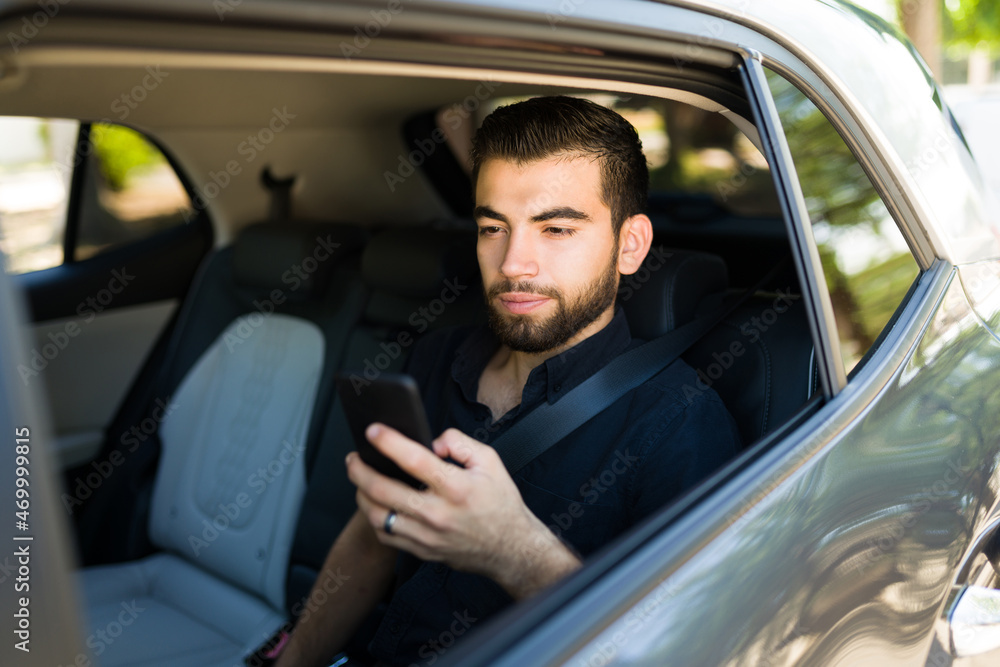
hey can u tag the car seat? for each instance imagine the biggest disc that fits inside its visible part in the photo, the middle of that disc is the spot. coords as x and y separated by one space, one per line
251 359
759 359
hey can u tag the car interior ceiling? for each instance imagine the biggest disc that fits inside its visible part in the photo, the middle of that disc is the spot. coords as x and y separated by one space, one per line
394 255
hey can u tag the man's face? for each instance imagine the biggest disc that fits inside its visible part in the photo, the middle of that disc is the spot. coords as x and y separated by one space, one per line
547 253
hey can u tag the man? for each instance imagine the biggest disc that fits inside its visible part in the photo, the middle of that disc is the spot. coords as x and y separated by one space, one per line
560 189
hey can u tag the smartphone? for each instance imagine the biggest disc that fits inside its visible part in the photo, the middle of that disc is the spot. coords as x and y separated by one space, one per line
392 399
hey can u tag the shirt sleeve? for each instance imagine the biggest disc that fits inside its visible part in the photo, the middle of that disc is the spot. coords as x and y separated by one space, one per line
688 446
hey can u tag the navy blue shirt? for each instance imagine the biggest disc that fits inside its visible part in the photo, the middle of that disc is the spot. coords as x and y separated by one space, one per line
631 459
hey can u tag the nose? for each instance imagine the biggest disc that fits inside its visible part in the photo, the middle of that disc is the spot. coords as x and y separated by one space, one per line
520 255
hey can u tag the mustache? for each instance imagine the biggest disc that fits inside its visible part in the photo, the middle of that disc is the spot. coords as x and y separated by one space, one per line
504 286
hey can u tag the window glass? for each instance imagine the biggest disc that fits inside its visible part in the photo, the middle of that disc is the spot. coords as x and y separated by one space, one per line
36 158
130 191
867 264
693 151
689 151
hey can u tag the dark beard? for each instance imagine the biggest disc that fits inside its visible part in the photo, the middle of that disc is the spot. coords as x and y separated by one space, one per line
519 333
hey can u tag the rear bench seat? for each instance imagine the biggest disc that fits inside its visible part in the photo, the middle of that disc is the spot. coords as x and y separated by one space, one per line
243 382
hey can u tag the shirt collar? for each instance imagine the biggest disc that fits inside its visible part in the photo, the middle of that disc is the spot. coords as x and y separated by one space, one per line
553 377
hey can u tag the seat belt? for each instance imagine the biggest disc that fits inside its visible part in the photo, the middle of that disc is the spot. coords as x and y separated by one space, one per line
551 422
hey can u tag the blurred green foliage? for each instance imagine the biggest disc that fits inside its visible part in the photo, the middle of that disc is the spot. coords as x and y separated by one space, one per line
836 188
972 22
877 291
867 269
121 153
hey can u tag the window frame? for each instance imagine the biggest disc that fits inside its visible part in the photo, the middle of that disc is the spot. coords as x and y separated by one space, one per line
71 232
80 164
811 270
805 254
46 289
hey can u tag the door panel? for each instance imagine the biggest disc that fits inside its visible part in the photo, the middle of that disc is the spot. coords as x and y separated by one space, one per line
132 244
154 269
37 591
86 369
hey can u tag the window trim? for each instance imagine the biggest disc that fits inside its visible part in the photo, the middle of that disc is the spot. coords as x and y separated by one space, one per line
819 309
81 162
71 230
869 167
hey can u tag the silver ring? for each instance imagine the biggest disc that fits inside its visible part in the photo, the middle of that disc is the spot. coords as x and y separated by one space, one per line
390 521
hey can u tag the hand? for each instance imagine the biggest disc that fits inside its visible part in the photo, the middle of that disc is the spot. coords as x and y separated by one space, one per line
470 517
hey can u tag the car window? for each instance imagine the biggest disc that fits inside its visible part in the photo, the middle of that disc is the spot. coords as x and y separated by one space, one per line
35 170
690 152
696 152
126 190
867 263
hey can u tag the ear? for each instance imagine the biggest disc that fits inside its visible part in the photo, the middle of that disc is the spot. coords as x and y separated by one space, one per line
634 239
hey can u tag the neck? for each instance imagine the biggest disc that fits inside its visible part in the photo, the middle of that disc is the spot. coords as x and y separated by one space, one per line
515 366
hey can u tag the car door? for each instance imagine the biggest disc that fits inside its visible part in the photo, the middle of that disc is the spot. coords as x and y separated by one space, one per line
845 537
36 583
101 234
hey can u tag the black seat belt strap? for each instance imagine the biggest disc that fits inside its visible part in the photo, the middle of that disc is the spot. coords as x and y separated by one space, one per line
549 423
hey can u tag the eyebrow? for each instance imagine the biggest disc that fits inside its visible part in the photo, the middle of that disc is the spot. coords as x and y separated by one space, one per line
487 212
560 212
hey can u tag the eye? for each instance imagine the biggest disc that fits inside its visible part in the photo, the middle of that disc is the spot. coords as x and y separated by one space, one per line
490 230
560 231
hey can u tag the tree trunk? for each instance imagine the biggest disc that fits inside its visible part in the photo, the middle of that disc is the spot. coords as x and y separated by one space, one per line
922 23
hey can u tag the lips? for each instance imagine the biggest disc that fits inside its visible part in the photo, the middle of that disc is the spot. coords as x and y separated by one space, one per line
520 302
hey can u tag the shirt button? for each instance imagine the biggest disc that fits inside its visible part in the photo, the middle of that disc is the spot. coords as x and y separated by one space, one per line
394 628
439 568
557 388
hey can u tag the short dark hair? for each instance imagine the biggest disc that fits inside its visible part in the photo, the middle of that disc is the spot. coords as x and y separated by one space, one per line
543 127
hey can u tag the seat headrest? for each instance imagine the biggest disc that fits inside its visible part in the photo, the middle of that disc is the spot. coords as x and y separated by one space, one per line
295 257
415 263
668 288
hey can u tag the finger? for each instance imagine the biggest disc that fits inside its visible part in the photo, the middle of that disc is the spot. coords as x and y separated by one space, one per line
408 454
370 509
377 515
408 532
385 491
459 447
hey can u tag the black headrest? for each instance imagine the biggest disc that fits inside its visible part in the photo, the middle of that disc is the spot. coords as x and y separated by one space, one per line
668 288
416 262
295 257
410 270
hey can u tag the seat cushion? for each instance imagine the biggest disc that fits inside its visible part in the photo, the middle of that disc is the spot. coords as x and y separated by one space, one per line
163 610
